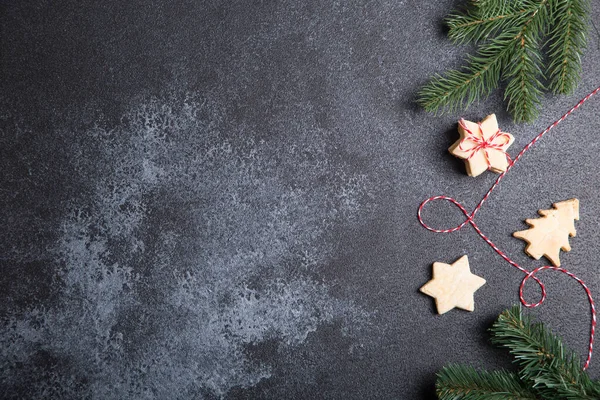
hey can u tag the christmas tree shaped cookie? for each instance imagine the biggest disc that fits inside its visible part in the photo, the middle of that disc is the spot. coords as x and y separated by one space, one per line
482 145
550 233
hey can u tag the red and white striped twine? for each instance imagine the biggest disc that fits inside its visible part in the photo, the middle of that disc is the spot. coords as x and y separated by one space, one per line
481 143
528 274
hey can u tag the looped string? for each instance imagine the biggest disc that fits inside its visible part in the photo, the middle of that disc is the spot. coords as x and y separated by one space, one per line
469 219
479 142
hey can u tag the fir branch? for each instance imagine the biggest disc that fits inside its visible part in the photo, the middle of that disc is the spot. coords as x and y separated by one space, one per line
542 358
457 382
462 88
523 71
547 370
511 34
476 24
493 7
567 41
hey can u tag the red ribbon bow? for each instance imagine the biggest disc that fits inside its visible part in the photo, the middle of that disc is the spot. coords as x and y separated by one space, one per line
480 143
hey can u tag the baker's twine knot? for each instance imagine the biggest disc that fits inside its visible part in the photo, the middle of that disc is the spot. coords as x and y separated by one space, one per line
478 142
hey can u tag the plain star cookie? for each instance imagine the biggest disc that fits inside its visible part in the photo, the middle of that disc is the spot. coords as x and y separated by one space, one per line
453 285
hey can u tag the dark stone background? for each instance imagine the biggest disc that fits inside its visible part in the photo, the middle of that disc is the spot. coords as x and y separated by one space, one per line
204 199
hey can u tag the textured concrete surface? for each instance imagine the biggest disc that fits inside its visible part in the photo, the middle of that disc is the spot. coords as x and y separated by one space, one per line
217 199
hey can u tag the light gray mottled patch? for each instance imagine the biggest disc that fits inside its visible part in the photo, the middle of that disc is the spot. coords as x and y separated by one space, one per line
191 240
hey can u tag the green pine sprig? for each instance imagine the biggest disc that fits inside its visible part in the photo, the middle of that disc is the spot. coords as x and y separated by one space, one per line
546 369
511 35
467 383
567 40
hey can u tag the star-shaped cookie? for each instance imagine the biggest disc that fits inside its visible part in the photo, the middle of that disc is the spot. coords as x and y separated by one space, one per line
482 145
453 285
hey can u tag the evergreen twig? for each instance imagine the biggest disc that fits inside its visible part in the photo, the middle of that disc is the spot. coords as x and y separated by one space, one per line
461 382
546 369
511 36
542 357
567 41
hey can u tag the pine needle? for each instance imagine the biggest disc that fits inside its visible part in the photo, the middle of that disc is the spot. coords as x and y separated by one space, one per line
511 35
